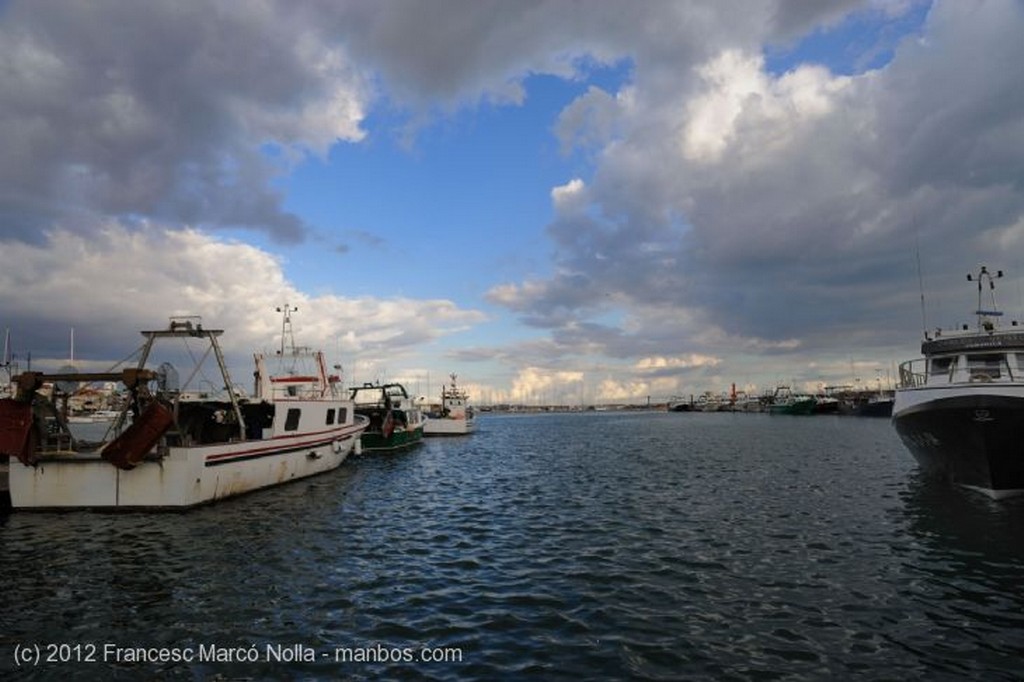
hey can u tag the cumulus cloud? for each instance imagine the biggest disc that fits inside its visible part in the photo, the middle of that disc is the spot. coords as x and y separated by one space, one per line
788 206
137 278
767 214
570 197
740 101
655 364
534 383
590 121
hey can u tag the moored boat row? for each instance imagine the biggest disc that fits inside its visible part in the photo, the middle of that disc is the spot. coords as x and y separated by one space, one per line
170 447
783 400
957 409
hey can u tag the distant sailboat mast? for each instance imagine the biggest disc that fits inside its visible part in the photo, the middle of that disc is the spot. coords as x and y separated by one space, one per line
920 286
67 387
6 364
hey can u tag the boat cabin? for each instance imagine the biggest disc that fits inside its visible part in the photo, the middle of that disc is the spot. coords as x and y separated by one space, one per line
985 354
995 357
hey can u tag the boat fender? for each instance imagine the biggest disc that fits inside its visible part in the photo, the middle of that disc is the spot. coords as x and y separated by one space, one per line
18 437
128 449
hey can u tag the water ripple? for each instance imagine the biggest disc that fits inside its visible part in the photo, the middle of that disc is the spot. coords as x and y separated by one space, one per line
625 546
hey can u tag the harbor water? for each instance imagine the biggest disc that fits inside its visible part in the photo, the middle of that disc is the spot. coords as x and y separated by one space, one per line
611 545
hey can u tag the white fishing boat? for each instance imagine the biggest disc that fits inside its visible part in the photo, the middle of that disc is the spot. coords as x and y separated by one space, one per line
960 408
453 416
183 447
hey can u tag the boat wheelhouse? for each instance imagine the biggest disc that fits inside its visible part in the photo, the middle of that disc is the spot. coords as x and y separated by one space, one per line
785 401
959 409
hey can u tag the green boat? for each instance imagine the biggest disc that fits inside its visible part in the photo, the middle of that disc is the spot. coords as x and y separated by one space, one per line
395 423
786 402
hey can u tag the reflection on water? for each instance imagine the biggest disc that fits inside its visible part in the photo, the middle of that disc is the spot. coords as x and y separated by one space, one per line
963 519
970 560
655 546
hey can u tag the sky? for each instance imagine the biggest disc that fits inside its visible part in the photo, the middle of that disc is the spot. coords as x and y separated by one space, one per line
560 202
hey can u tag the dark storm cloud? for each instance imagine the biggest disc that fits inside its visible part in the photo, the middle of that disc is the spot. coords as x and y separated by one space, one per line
160 109
951 109
449 52
791 18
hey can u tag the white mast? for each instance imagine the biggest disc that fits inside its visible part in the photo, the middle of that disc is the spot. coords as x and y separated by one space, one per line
286 327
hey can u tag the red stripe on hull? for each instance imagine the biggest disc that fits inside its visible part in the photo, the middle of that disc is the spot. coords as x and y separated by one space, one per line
282 444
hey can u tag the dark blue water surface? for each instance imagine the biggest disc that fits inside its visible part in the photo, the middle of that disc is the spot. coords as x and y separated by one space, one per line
574 546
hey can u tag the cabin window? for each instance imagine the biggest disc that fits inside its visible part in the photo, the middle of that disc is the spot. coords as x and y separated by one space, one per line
984 367
291 422
293 391
343 415
330 416
942 366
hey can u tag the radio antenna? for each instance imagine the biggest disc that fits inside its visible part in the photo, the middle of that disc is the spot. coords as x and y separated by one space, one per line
920 281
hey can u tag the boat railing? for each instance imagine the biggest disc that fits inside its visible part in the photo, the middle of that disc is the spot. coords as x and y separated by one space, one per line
915 374
912 373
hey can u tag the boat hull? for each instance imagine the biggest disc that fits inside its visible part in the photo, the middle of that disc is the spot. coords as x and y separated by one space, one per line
974 438
445 426
826 407
875 408
185 477
400 439
800 407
